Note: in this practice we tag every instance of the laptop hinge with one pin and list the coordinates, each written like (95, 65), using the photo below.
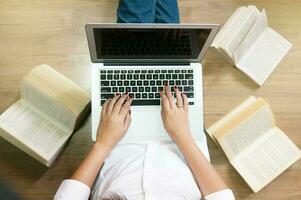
(135, 63)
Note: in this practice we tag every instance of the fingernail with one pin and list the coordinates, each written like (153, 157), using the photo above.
(166, 83)
(117, 94)
(176, 87)
(126, 93)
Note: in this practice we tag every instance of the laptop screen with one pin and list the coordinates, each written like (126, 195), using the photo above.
(147, 43)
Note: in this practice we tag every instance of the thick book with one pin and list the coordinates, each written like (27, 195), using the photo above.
(248, 43)
(51, 108)
(254, 145)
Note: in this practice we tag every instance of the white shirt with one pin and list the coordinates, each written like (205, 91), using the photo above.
(149, 171)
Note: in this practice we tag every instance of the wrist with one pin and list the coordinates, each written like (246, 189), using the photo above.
(102, 146)
(184, 140)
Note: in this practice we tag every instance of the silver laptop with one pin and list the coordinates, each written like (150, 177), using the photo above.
(139, 59)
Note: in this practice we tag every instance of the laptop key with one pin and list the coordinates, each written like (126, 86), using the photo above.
(154, 89)
(119, 83)
(148, 102)
(141, 89)
(121, 89)
(105, 89)
(133, 83)
(126, 83)
(157, 96)
(136, 76)
(139, 83)
(188, 76)
(115, 89)
(137, 95)
(190, 82)
(147, 89)
(127, 89)
(189, 95)
(134, 89)
(146, 83)
(106, 96)
(104, 83)
(129, 76)
(150, 95)
(144, 95)
(152, 83)
(188, 89)
(103, 77)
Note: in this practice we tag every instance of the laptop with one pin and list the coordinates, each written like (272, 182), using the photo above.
(139, 59)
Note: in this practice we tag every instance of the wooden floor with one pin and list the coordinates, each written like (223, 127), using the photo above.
(52, 31)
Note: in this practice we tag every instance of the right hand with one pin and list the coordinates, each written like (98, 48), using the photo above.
(175, 116)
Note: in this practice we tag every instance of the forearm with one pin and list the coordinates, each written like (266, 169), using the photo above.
(209, 181)
(89, 168)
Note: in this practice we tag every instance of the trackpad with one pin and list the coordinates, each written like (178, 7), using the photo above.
(146, 125)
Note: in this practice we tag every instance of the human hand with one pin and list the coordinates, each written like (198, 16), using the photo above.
(115, 120)
(175, 116)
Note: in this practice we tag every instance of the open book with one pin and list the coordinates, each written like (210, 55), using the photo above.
(248, 43)
(50, 109)
(253, 143)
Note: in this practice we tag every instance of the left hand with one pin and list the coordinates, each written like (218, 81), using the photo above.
(115, 120)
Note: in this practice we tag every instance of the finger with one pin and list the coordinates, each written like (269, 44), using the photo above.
(126, 107)
(185, 101)
(178, 96)
(104, 107)
(164, 101)
(127, 120)
(111, 103)
(169, 96)
(119, 103)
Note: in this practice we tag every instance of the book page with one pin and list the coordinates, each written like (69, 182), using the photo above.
(54, 111)
(239, 32)
(228, 26)
(257, 29)
(264, 56)
(225, 119)
(264, 160)
(34, 130)
(248, 131)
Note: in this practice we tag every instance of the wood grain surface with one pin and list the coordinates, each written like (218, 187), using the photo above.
(33, 32)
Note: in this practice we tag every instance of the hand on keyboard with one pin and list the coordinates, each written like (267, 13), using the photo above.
(175, 115)
(115, 120)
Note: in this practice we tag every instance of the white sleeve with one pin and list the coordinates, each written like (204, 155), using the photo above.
(72, 189)
(226, 194)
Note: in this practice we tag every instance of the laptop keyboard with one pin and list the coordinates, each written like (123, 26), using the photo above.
(144, 85)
